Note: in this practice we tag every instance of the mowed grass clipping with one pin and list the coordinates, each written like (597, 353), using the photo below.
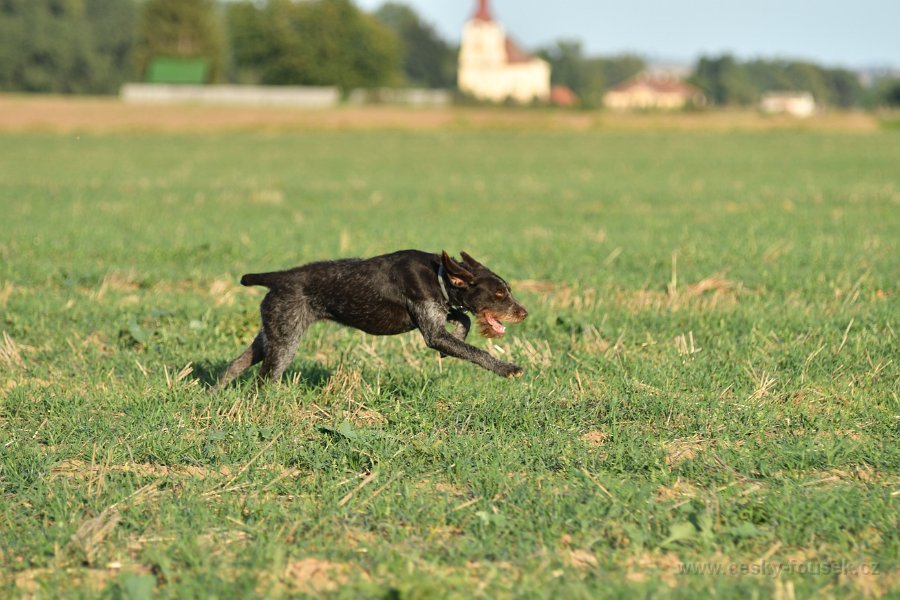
(710, 404)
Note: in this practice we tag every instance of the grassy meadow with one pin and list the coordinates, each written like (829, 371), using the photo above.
(710, 405)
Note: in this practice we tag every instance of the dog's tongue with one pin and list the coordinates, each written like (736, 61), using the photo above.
(496, 325)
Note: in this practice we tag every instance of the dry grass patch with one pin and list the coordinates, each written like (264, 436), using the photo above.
(81, 470)
(359, 538)
(591, 341)
(683, 449)
(595, 438)
(6, 292)
(869, 584)
(95, 580)
(67, 114)
(317, 577)
(685, 344)
(92, 532)
(11, 352)
(664, 565)
(859, 473)
(116, 281)
(713, 292)
(267, 197)
(536, 354)
(537, 286)
(677, 492)
(95, 340)
(715, 284)
(444, 488)
(215, 287)
(214, 541)
(343, 392)
(764, 383)
(223, 290)
(559, 295)
(582, 560)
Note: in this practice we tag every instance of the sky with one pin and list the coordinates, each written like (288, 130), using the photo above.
(848, 33)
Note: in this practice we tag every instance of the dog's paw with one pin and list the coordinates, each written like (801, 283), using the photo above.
(510, 371)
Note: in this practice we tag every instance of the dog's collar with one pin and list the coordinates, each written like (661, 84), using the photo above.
(441, 273)
(441, 276)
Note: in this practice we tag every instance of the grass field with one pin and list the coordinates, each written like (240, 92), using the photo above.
(710, 405)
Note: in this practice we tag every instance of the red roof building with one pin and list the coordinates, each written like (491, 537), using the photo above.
(648, 91)
(561, 95)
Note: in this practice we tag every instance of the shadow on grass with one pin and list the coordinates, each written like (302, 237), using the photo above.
(305, 375)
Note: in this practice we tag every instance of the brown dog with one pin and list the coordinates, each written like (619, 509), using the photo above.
(385, 295)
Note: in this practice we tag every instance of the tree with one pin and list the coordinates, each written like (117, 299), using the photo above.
(181, 29)
(844, 86)
(615, 69)
(888, 92)
(567, 64)
(427, 59)
(724, 81)
(729, 82)
(65, 46)
(248, 41)
(317, 42)
(112, 24)
(588, 77)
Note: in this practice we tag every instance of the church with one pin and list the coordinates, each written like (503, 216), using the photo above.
(493, 68)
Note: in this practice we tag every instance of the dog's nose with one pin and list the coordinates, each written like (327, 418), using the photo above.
(522, 312)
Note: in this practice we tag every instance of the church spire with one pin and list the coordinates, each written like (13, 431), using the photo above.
(483, 12)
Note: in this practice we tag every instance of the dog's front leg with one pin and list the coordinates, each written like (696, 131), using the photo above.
(461, 325)
(432, 322)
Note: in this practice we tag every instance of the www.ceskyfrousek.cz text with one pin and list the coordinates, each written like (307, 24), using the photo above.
(842, 567)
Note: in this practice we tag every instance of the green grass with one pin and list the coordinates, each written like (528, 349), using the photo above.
(711, 352)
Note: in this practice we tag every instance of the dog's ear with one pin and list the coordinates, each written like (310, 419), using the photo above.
(471, 262)
(456, 273)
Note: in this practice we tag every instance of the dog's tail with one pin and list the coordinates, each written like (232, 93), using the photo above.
(265, 279)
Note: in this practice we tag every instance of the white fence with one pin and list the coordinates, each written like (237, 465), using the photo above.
(405, 96)
(241, 95)
(286, 96)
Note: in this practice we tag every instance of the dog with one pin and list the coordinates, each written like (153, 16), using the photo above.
(385, 295)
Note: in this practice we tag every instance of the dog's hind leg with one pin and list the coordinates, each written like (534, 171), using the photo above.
(252, 355)
(283, 324)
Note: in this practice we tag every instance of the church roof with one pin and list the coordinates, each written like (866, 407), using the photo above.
(514, 54)
(483, 11)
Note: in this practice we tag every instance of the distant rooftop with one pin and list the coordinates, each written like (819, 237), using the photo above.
(664, 84)
(483, 12)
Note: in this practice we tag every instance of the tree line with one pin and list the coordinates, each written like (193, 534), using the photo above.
(729, 82)
(93, 46)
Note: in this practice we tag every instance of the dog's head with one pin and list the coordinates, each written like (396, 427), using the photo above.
(484, 293)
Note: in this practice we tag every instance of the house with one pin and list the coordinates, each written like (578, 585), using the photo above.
(646, 91)
(561, 95)
(796, 104)
(492, 67)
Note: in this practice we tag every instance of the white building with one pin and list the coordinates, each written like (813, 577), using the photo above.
(796, 104)
(656, 92)
(492, 67)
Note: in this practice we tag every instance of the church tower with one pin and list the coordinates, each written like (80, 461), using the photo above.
(492, 67)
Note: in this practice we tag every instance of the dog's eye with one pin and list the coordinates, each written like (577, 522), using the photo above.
(500, 293)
